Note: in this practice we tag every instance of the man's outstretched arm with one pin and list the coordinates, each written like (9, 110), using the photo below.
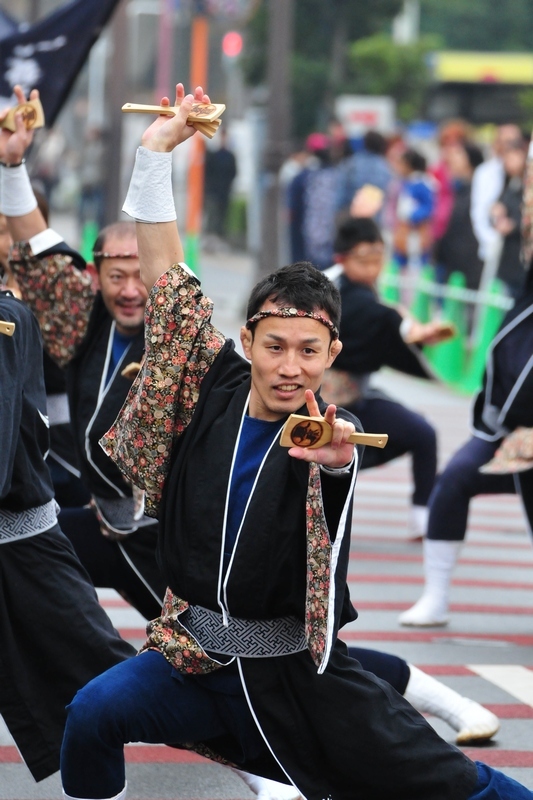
(47, 271)
(150, 200)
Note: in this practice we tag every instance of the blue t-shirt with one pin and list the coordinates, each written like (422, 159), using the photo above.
(256, 437)
(118, 348)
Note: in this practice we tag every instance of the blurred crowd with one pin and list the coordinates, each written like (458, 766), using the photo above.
(455, 206)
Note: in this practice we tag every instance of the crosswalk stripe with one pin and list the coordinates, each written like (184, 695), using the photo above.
(513, 679)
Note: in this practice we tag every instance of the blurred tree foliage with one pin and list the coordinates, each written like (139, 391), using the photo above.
(342, 46)
(379, 66)
(480, 24)
(322, 33)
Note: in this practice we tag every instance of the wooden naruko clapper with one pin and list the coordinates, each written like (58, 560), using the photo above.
(313, 432)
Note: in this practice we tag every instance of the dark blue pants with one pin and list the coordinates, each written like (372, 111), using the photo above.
(408, 432)
(145, 699)
(462, 480)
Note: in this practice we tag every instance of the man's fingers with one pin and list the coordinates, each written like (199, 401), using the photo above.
(311, 403)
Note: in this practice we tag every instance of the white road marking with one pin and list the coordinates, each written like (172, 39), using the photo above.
(515, 680)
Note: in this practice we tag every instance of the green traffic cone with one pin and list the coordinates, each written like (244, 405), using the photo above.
(389, 283)
(489, 323)
(89, 234)
(448, 358)
(422, 299)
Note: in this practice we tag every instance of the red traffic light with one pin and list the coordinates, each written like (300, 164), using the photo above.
(232, 44)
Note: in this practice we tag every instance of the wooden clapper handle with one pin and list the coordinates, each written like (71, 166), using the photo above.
(204, 116)
(313, 432)
(7, 328)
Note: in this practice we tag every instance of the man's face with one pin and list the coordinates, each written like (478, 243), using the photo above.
(120, 282)
(364, 262)
(288, 356)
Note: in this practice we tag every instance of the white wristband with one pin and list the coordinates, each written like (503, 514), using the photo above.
(405, 327)
(338, 470)
(16, 194)
(149, 197)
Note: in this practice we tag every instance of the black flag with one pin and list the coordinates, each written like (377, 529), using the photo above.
(49, 55)
(8, 26)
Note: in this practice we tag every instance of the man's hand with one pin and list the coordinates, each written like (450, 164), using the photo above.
(166, 133)
(13, 145)
(337, 453)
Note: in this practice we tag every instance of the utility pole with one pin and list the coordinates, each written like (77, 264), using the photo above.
(116, 88)
(34, 10)
(195, 178)
(278, 144)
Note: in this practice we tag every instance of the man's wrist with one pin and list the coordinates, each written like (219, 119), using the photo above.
(9, 165)
(149, 197)
(345, 470)
(16, 195)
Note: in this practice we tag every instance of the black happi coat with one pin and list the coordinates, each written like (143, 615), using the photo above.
(336, 731)
(506, 397)
(266, 578)
(24, 478)
(94, 406)
(370, 335)
(328, 732)
(54, 635)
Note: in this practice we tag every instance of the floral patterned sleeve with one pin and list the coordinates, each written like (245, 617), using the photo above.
(60, 295)
(527, 211)
(181, 346)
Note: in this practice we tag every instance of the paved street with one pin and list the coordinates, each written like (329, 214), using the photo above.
(486, 652)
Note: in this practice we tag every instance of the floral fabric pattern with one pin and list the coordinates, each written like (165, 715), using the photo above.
(515, 454)
(318, 569)
(167, 635)
(181, 346)
(60, 295)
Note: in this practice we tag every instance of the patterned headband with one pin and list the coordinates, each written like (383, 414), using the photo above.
(103, 254)
(287, 313)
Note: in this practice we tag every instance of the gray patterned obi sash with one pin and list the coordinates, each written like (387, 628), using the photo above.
(23, 524)
(244, 638)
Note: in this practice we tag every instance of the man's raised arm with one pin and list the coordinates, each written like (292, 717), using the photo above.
(150, 201)
(17, 200)
(49, 273)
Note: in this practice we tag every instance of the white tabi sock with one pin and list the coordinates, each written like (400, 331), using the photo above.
(432, 608)
(471, 721)
(266, 789)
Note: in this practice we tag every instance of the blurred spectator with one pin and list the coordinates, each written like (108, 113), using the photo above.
(293, 165)
(457, 249)
(316, 146)
(313, 201)
(396, 147)
(220, 172)
(451, 133)
(92, 176)
(47, 166)
(414, 211)
(297, 161)
(487, 185)
(506, 216)
(366, 167)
